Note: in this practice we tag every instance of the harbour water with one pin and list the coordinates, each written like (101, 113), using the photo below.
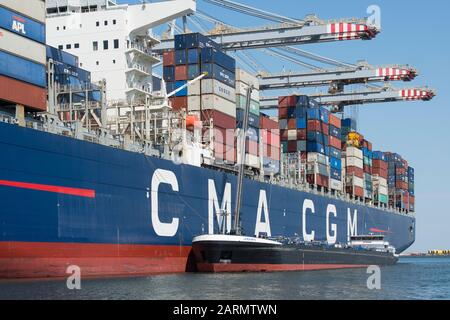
(412, 278)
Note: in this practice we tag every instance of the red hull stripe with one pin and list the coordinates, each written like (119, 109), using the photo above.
(50, 260)
(235, 267)
(48, 188)
(379, 230)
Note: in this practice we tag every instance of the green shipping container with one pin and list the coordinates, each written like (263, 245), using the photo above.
(254, 105)
(381, 198)
(284, 146)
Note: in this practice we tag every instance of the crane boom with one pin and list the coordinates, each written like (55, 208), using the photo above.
(283, 35)
(361, 97)
(343, 76)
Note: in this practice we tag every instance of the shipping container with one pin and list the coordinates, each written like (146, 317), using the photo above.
(198, 40)
(354, 181)
(181, 73)
(334, 142)
(179, 103)
(349, 123)
(193, 71)
(315, 136)
(183, 92)
(22, 69)
(267, 123)
(214, 56)
(61, 56)
(194, 89)
(335, 163)
(253, 120)
(193, 56)
(335, 184)
(336, 153)
(314, 157)
(21, 25)
(317, 125)
(219, 73)
(354, 162)
(219, 119)
(318, 179)
(241, 88)
(169, 58)
(335, 132)
(241, 103)
(317, 147)
(354, 171)
(354, 152)
(169, 74)
(301, 134)
(211, 86)
(335, 174)
(34, 9)
(335, 121)
(180, 57)
(214, 102)
(13, 91)
(247, 78)
(321, 114)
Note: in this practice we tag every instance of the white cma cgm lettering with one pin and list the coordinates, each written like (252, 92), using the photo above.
(214, 207)
(307, 205)
(18, 27)
(262, 205)
(331, 238)
(163, 229)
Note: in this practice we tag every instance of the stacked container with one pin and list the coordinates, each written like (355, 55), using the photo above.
(252, 145)
(398, 181)
(353, 164)
(270, 145)
(23, 53)
(412, 197)
(335, 150)
(367, 168)
(379, 178)
(214, 97)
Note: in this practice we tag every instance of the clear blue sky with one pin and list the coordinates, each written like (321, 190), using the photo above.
(411, 34)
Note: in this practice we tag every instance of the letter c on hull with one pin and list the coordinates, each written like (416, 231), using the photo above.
(161, 228)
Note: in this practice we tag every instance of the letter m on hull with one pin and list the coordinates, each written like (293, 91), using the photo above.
(352, 223)
(215, 209)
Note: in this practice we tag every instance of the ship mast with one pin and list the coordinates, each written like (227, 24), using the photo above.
(241, 142)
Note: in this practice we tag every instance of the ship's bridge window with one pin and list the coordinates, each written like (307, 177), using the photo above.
(97, 24)
(68, 46)
(105, 44)
(114, 21)
(95, 45)
(76, 45)
(106, 22)
(116, 43)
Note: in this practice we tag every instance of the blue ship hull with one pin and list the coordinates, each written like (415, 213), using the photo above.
(114, 212)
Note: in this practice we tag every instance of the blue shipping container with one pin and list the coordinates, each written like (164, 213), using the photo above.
(219, 73)
(61, 56)
(301, 123)
(180, 41)
(193, 71)
(197, 40)
(335, 163)
(335, 132)
(22, 69)
(181, 93)
(170, 86)
(316, 136)
(335, 174)
(378, 155)
(321, 114)
(316, 147)
(253, 120)
(22, 25)
(193, 56)
(335, 153)
(301, 112)
(211, 55)
(349, 123)
(180, 57)
(169, 73)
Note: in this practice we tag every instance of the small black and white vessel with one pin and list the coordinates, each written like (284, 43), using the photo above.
(235, 252)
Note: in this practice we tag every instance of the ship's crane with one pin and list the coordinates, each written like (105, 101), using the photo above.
(373, 95)
(337, 77)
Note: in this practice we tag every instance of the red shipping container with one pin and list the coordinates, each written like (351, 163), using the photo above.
(316, 125)
(401, 185)
(318, 179)
(267, 123)
(168, 58)
(289, 101)
(357, 172)
(301, 134)
(335, 121)
(221, 135)
(179, 103)
(274, 138)
(367, 169)
(271, 152)
(292, 124)
(400, 171)
(292, 146)
(19, 92)
(181, 73)
(220, 119)
(380, 164)
(282, 113)
(412, 199)
(335, 142)
(356, 191)
(381, 172)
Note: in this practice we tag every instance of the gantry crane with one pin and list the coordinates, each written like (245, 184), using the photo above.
(372, 95)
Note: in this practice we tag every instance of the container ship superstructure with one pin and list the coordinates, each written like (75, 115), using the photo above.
(110, 167)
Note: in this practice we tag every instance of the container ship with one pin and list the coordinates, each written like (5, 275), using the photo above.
(110, 167)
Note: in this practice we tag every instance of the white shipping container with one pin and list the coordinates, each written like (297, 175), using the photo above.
(354, 152)
(354, 162)
(247, 78)
(252, 161)
(382, 189)
(377, 180)
(194, 89)
(355, 181)
(292, 135)
(317, 157)
(23, 47)
(193, 103)
(335, 184)
(215, 102)
(211, 86)
(241, 88)
(34, 9)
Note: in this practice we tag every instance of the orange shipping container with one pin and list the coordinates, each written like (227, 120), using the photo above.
(335, 121)
(180, 73)
(17, 92)
(169, 58)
